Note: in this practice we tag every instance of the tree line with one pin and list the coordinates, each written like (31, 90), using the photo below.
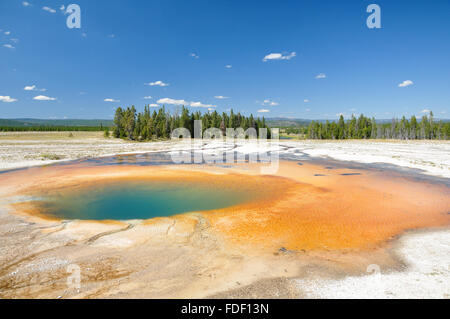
(147, 125)
(366, 128)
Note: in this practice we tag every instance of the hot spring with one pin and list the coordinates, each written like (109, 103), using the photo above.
(305, 206)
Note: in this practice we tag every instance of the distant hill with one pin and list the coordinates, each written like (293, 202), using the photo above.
(44, 122)
(286, 122)
(28, 122)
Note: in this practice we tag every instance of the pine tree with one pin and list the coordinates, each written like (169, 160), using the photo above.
(341, 128)
(118, 122)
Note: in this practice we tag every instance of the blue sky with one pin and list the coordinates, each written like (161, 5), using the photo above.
(322, 60)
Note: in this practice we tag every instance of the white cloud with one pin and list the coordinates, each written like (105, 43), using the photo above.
(321, 76)
(14, 40)
(26, 3)
(195, 56)
(183, 102)
(154, 105)
(7, 32)
(44, 98)
(172, 101)
(228, 66)
(425, 111)
(49, 9)
(147, 97)
(7, 99)
(62, 8)
(263, 111)
(405, 83)
(9, 46)
(158, 83)
(221, 97)
(306, 100)
(200, 104)
(112, 36)
(308, 110)
(211, 109)
(33, 88)
(111, 100)
(279, 56)
(269, 102)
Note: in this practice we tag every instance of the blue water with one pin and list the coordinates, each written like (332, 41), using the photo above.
(139, 200)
